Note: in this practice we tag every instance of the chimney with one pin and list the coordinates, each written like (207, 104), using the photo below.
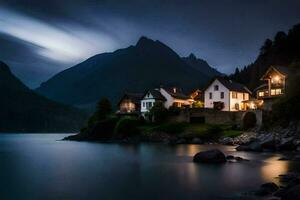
(174, 90)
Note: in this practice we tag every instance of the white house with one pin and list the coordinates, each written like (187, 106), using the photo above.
(149, 99)
(169, 97)
(175, 97)
(225, 95)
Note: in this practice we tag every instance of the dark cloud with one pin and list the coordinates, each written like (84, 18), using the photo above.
(226, 33)
(24, 61)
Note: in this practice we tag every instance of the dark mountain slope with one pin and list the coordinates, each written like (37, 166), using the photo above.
(284, 50)
(22, 110)
(146, 65)
(201, 65)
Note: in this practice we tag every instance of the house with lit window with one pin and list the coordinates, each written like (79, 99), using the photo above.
(149, 99)
(226, 95)
(275, 85)
(130, 104)
(175, 97)
(198, 97)
(168, 96)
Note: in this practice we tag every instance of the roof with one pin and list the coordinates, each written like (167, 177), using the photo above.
(134, 97)
(261, 87)
(197, 95)
(178, 94)
(156, 94)
(285, 71)
(230, 85)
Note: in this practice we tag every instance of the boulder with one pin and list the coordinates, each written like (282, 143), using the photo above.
(292, 193)
(266, 189)
(196, 141)
(230, 157)
(227, 141)
(287, 144)
(269, 142)
(211, 156)
(253, 146)
(240, 159)
(181, 141)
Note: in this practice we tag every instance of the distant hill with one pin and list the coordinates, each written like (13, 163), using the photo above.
(22, 110)
(146, 65)
(201, 65)
(283, 50)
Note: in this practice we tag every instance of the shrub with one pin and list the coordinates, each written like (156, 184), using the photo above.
(174, 110)
(127, 126)
(171, 128)
(213, 132)
(198, 104)
(159, 112)
(105, 128)
(103, 109)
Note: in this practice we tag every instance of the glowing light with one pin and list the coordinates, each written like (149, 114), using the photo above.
(276, 79)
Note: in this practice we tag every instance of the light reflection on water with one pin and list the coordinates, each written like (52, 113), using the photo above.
(40, 167)
(273, 167)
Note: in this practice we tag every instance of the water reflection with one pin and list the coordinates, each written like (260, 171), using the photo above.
(40, 167)
(273, 167)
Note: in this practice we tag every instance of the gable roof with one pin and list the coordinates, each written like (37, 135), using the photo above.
(156, 94)
(134, 97)
(230, 85)
(285, 71)
(178, 94)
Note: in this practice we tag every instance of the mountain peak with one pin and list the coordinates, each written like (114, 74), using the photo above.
(192, 56)
(144, 41)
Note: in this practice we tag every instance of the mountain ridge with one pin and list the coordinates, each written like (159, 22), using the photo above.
(145, 65)
(22, 110)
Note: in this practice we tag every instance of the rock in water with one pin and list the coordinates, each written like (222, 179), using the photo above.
(211, 156)
(267, 188)
(292, 194)
(287, 144)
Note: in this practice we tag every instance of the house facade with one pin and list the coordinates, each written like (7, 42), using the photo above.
(175, 97)
(168, 96)
(274, 87)
(225, 95)
(130, 103)
(149, 98)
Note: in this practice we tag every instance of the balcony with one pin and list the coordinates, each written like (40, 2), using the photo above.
(273, 93)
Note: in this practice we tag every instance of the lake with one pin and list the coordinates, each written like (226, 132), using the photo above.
(40, 166)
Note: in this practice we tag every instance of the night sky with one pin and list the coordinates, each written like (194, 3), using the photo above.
(39, 38)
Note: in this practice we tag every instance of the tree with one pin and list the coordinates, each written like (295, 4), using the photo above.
(266, 47)
(159, 112)
(237, 72)
(103, 109)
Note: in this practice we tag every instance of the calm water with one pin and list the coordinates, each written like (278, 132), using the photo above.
(36, 166)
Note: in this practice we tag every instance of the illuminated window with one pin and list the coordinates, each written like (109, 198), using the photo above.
(261, 94)
(222, 95)
(234, 95)
(245, 96)
(276, 91)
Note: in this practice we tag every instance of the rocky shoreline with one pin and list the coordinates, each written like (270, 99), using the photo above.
(288, 188)
(276, 139)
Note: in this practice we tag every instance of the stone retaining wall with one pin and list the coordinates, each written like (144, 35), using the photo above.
(212, 116)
